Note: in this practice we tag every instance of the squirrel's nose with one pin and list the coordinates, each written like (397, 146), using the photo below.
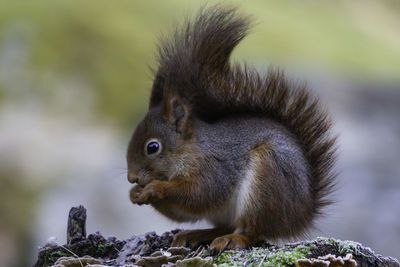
(132, 178)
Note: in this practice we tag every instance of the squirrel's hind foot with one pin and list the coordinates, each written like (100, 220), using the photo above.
(231, 241)
(194, 238)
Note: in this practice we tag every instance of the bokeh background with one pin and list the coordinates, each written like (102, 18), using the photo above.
(74, 81)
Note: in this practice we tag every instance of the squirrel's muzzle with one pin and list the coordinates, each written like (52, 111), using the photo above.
(133, 178)
(141, 177)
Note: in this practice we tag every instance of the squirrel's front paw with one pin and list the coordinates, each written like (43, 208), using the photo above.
(135, 192)
(151, 193)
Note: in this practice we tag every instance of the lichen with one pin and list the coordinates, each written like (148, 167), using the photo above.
(343, 247)
(196, 261)
(328, 260)
(158, 258)
(76, 262)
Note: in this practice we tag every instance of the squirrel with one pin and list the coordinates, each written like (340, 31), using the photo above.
(250, 153)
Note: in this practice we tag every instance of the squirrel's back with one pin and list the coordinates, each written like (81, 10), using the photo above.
(195, 65)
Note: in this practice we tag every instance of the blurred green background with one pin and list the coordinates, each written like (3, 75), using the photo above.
(74, 81)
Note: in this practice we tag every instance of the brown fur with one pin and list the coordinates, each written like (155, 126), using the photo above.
(250, 153)
(231, 241)
(197, 237)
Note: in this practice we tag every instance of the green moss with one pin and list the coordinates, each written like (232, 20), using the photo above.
(284, 258)
(103, 247)
(229, 258)
(51, 257)
(46, 257)
(263, 257)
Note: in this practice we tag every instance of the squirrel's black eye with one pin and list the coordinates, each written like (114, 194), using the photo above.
(153, 147)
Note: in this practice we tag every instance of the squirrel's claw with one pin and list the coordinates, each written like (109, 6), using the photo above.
(148, 194)
(231, 241)
(134, 194)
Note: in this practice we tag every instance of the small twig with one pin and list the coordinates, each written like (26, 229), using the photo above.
(116, 249)
(220, 252)
(263, 259)
(194, 253)
(73, 254)
(199, 251)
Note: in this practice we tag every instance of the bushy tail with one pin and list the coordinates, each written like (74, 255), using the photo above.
(195, 65)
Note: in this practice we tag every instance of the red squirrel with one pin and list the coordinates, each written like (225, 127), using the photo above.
(250, 153)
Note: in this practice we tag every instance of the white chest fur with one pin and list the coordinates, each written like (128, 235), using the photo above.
(235, 206)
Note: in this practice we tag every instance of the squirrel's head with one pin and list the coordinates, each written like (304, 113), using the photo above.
(161, 143)
(191, 62)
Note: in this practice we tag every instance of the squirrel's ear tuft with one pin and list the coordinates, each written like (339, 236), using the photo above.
(205, 42)
(177, 113)
(157, 92)
(197, 55)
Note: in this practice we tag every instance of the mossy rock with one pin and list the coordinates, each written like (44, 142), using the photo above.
(153, 250)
